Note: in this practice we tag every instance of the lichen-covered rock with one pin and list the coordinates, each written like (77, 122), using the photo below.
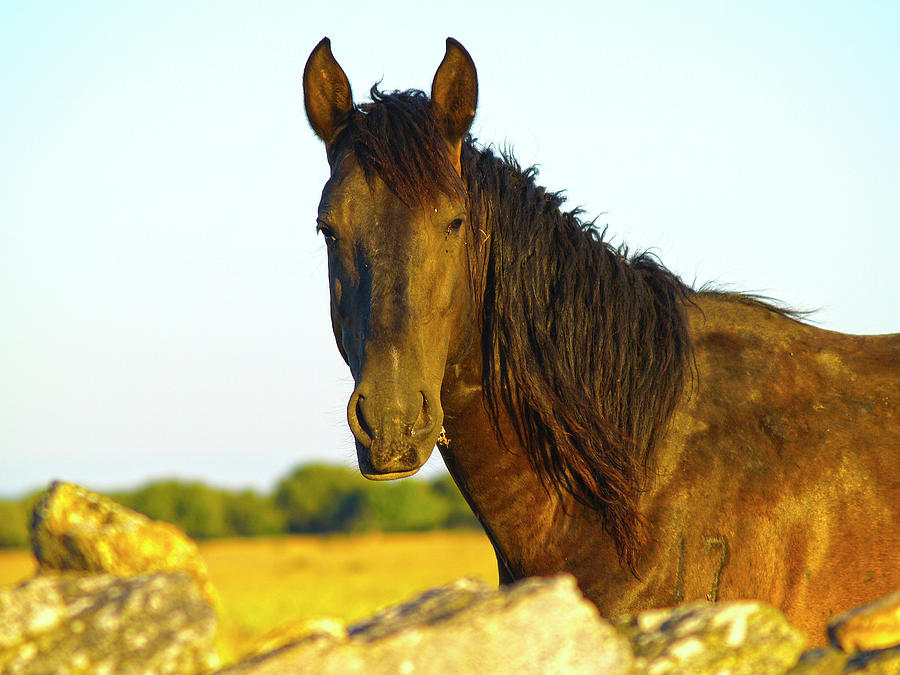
(879, 662)
(873, 626)
(536, 626)
(822, 661)
(152, 610)
(68, 623)
(733, 637)
(75, 529)
(296, 631)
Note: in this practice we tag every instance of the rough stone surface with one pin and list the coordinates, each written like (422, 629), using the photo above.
(873, 626)
(733, 637)
(296, 631)
(536, 626)
(75, 529)
(822, 661)
(880, 662)
(69, 623)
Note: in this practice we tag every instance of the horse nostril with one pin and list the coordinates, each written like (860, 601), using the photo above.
(357, 421)
(425, 420)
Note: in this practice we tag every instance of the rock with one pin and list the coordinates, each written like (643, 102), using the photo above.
(296, 631)
(68, 623)
(881, 662)
(733, 637)
(142, 602)
(873, 626)
(75, 529)
(535, 626)
(822, 661)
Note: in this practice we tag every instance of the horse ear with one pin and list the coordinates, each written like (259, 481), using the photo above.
(326, 93)
(454, 96)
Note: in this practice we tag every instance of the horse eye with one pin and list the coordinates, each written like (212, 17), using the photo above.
(454, 225)
(326, 232)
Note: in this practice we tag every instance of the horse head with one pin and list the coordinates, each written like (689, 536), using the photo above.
(393, 214)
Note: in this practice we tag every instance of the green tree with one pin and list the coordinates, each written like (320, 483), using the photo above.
(407, 505)
(196, 508)
(313, 498)
(321, 498)
(14, 517)
(459, 515)
(324, 498)
(249, 514)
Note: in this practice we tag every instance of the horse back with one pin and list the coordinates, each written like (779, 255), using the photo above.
(778, 478)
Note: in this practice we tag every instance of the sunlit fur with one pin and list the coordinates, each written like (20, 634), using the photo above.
(660, 444)
(586, 349)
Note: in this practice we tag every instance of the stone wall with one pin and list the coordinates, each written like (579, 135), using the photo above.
(118, 593)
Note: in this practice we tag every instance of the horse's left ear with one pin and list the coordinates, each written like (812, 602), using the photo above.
(454, 96)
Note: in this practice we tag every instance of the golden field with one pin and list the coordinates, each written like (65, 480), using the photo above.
(264, 583)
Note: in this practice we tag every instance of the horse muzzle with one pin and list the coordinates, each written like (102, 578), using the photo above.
(395, 432)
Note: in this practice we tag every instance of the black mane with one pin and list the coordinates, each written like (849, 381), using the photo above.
(586, 348)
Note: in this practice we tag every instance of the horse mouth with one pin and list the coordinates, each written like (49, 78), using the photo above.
(390, 475)
(381, 469)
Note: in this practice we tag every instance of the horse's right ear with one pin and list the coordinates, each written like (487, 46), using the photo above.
(326, 93)
(454, 96)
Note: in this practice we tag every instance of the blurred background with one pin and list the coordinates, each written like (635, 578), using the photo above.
(163, 294)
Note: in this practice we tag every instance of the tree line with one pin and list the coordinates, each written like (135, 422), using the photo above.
(312, 499)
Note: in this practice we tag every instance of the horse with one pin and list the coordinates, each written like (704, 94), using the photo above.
(601, 417)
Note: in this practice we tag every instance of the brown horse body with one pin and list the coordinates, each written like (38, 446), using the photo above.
(777, 479)
(660, 444)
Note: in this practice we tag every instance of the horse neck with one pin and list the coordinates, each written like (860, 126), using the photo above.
(498, 482)
(582, 347)
(532, 528)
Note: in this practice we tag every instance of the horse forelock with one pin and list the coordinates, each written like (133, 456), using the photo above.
(585, 348)
(395, 137)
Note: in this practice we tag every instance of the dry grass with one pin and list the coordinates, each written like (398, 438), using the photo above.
(15, 566)
(265, 583)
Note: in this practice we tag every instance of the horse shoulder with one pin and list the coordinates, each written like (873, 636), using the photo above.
(775, 479)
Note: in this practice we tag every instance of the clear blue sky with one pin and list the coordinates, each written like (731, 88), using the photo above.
(163, 294)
